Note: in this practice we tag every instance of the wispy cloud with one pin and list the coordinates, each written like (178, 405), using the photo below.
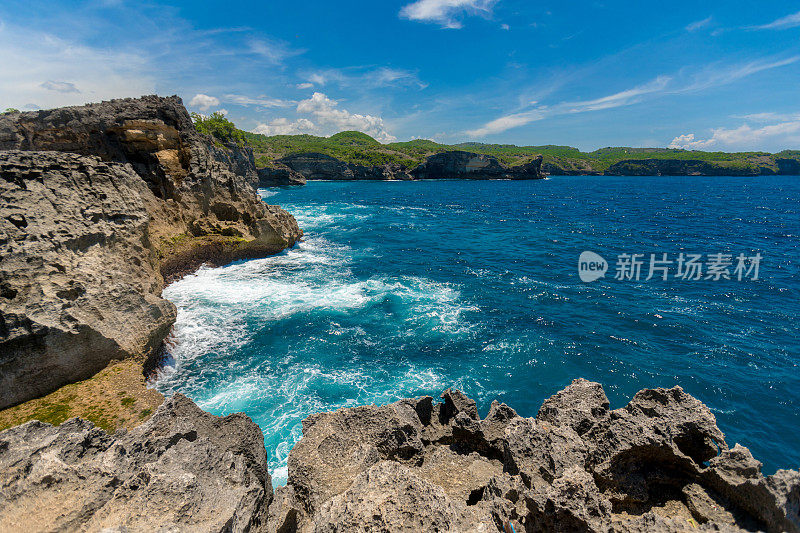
(275, 52)
(446, 13)
(783, 23)
(711, 76)
(365, 77)
(622, 98)
(717, 74)
(699, 24)
(40, 60)
(262, 101)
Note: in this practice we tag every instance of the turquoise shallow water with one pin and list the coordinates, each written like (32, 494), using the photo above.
(404, 289)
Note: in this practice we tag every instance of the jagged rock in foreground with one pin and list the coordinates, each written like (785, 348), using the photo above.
(99, 204)
(658, 464)
(182, 470)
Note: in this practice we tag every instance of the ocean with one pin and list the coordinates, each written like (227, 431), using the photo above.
(404, 289)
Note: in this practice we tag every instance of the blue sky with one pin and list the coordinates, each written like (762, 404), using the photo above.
(704, 75)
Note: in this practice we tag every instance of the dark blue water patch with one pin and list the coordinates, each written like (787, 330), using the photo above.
(403, 289)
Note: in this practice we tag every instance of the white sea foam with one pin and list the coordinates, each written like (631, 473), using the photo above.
(221, 312)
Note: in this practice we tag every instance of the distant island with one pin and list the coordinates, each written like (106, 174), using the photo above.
(291, 159)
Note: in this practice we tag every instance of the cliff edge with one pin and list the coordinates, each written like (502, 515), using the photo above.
(659, 463)
(99, 205)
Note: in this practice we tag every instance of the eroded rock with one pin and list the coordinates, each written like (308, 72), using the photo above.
(658, 464)
(182, 470)
(98, 205)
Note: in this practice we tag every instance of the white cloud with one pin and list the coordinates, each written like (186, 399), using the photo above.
(783, 23)
(327, 113)
(507, 122)
(260, 101)
(699, 24)
(283, 126)
(772, 137)
(302, 86)
(60, 86)
(446, 12)
(204, 102)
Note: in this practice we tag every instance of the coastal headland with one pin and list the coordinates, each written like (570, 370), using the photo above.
(102, 205)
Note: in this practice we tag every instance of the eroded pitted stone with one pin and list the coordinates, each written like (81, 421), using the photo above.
(650, 466)
(582, 404)
(182, 470)
(93, 201)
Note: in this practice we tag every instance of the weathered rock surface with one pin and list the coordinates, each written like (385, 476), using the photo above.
(676, 167)
(182, 470)
(459, 164)
(658, 464)
(79, 283)
(279, 175)
(94, 201)
(314, 166)
(445, 165)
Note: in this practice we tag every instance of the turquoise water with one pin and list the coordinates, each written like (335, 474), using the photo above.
(404, 289)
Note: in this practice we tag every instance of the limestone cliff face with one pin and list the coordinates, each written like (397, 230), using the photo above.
(674, 167)
(98, 204)
(445, 165)
(458, 164)
(315, 166)
(201, 188)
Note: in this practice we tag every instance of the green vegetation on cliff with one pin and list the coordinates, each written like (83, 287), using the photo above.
(218, 127)
(361, 149)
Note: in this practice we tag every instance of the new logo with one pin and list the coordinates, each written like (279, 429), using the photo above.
(591, 266)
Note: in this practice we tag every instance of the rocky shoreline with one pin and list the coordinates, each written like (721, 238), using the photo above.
(658, 464)
(99, 205)
(296, 169)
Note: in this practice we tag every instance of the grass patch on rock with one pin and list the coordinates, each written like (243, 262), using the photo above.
(116, 397)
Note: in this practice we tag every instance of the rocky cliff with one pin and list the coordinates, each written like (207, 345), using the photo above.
(99, 204)
(315, 166)
(182, 470)
(675, 167)
(445, 165)
(658, 464)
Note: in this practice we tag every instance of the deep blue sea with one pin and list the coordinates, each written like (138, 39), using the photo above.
(404, 289)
